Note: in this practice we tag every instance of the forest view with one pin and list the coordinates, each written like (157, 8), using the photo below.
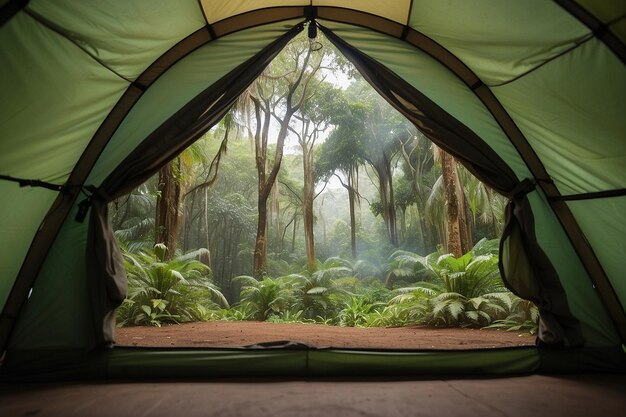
(314, 201)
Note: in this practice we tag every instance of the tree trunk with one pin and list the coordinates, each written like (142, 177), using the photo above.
(263, 110)
(391, 205)
(307, 202)
(207, 241)
(167, 207)
(403, 225)
(453, 241)
(260, 249)
(386, 201)
(464, 219)
(187, 223)
(276, 216)
(293, 235)
(351, 198)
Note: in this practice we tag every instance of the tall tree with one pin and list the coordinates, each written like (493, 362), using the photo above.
(277, 95)
(313, 119)
(340, 157)
(448, 193)
(453, 209)
(421, 172)
(379, 129)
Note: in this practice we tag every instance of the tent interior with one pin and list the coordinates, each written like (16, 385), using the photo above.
(529, 96)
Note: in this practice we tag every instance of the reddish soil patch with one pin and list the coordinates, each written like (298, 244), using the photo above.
(243, 333)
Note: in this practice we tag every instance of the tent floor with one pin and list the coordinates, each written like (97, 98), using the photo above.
(534, 395)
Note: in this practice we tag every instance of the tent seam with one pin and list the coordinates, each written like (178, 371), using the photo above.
(203, 12)
(547, 61)
(54, 28)
(408, 15)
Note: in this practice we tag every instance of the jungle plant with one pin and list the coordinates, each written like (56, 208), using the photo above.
(356, 311)
(465, 291)
(523, 316)
(161, 292)
(263, 298)
(321, 293)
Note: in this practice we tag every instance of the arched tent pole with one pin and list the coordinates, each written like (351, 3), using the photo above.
(60, 209)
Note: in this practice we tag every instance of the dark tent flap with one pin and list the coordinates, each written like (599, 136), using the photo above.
(106, 274)
(527, 271)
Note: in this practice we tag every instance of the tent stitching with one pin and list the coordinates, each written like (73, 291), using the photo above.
(202, 11)
(547, 61)
(409, 13)
(56, 29)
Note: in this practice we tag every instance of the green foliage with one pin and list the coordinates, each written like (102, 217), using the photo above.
(522, 316)
(264, 298)
(323, 296)
(167, 292)
(321, 293)
(465, 291)
(356, 312)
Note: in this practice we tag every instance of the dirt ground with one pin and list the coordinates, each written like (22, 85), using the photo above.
(244, 333)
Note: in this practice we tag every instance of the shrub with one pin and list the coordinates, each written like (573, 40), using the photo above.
(167, 292)
(464, 291)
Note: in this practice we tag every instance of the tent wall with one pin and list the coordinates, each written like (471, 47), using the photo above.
(18, 223)
(123, 36)
(54, 98)
(583, 300)
(570, 110)
(602, 221)
(60, 295)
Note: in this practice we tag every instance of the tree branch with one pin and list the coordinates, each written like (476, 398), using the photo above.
(291, 190)
(350, 188)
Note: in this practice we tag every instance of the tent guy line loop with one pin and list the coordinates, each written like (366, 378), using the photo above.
(591, 195)
(26, 182)
(89, 191)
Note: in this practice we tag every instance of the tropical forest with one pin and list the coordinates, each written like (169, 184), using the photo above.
(315, 202)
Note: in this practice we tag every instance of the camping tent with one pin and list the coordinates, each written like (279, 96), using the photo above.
(96, 96)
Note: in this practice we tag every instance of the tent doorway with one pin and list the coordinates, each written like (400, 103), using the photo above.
(359, 227)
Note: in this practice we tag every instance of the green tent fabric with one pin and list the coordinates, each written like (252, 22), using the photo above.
(523, 93)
